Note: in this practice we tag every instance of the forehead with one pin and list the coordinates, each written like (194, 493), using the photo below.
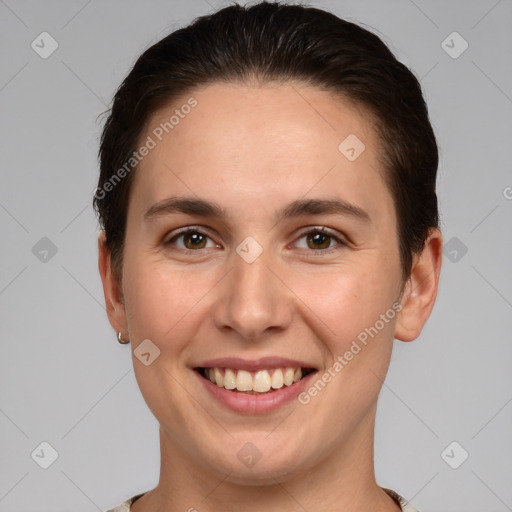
(262, 143)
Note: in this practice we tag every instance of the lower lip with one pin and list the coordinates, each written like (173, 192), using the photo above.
(255, 403)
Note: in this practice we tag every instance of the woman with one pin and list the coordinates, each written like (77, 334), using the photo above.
(270, 225)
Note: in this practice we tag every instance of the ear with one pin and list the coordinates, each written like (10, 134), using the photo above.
(112, 290)
(421, 289)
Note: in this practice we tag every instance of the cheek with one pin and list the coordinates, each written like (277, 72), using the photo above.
(345, 301)
(161, 299)
(354, 318)
(337, 302)
(163, 305)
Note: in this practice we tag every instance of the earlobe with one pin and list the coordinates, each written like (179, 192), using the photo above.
(420, 292)
(112, 291)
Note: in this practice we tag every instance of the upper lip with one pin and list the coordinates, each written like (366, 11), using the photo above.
(263, 363)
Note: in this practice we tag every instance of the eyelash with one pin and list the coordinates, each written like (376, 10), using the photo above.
(341, 241)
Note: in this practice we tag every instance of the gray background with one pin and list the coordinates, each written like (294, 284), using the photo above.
(65, 380)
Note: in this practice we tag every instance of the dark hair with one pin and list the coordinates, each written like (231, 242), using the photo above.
(276, 42)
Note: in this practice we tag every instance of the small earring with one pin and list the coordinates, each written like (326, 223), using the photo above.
(123, 342)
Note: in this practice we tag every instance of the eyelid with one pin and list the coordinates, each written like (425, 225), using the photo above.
(342, 240)
(183, 231)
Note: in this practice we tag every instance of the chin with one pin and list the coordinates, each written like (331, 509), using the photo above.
(259, 462)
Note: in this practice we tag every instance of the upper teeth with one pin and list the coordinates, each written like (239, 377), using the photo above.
(260, 381)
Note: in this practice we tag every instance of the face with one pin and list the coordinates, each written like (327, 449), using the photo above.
(290, 261)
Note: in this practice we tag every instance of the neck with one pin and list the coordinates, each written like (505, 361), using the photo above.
(344, 481)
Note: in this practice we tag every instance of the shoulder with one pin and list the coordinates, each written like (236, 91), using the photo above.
(406, 506)
(126, 505)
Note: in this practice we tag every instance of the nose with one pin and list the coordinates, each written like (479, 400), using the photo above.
(253, 299)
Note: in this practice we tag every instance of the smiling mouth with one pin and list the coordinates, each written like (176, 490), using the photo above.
(256, 382)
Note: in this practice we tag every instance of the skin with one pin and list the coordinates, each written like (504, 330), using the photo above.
(253, 149)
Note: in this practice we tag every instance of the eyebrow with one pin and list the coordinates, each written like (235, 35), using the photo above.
(298, 208)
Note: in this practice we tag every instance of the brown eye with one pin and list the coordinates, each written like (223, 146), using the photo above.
(321, 241)
(192, 239)
(318, 240)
